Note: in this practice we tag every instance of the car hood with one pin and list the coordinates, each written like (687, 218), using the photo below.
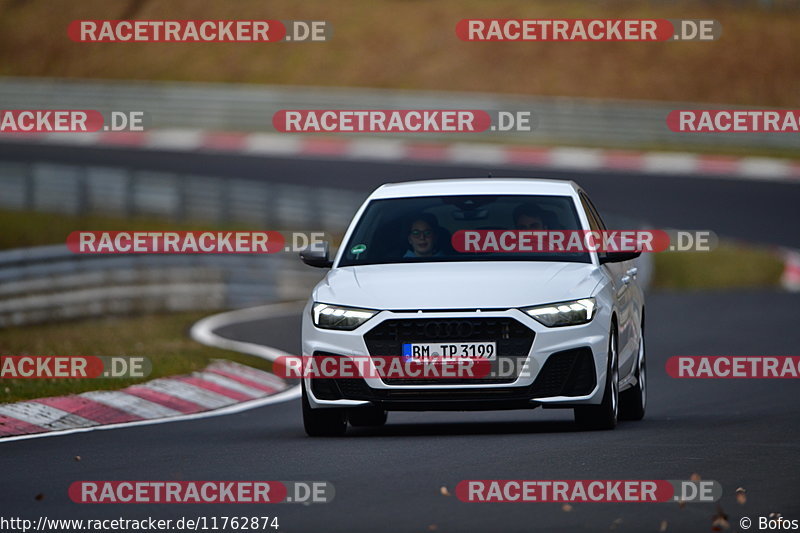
(465, 285)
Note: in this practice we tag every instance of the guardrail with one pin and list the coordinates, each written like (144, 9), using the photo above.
(49, 283)
(121, 191)
(576, 121)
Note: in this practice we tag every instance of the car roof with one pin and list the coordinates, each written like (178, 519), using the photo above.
(462, 186)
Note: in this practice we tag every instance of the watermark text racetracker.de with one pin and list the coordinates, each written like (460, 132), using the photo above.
(401, 121)
(396, 367)
(193, 242)
(734, 121)
(588, 30)
(195, 492)
(587, 490)
(70, 121)
(199, 31)
(733, 367)
(575, 241)
(73, 367)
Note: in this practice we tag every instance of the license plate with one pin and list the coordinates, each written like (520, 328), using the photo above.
(423, 351)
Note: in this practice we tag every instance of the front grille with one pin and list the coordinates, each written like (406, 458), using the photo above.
(513, 339)
(386, 338)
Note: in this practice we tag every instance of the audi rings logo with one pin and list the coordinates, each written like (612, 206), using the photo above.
(448, 330)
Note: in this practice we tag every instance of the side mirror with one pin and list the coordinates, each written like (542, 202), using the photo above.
(317, 257)
(618, 257)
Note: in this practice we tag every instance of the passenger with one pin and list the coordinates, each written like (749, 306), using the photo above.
(529, 217)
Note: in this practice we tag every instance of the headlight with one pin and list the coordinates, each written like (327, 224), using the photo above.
(564, 313)
(336, 317)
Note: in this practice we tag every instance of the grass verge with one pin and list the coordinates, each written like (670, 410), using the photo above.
(19, 229)
(412, 44)
(162, 338)
(729, 266)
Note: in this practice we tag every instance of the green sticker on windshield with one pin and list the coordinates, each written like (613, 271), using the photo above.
(358, 249)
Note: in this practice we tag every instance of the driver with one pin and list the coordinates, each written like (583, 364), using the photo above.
(423, 235)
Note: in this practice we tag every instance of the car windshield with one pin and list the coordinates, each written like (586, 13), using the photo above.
(400, 230)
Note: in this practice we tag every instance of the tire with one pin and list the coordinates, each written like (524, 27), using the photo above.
(605, 415)
(322, 422)
(367, 417)
(632, 402)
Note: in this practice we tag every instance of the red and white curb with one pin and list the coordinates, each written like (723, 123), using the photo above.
(464, 153)
(223, 387)
(221, 384)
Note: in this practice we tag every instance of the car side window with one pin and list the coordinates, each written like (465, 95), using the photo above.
(593, 210)
(594, 223)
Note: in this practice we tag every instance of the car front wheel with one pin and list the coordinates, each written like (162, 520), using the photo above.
(322, 422)
(633, 401)
(604, 416)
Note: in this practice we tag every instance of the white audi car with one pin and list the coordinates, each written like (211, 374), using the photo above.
(569, 325)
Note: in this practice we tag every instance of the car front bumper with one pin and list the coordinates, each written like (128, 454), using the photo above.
(561, 367)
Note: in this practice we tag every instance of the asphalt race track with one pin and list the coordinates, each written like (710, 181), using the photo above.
(742, 433)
